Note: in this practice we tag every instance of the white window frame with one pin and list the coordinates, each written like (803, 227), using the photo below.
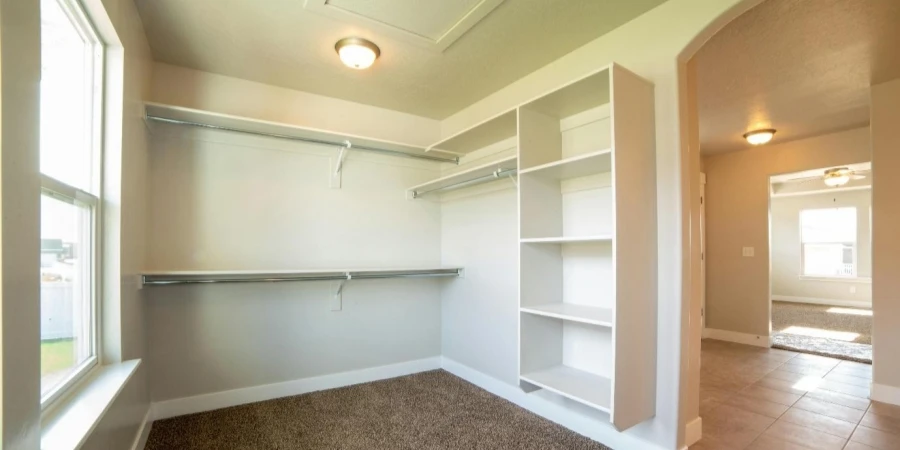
(854, 245)
(69, 194)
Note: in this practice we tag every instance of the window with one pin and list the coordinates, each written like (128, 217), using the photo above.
(828, 240)
(71, 90)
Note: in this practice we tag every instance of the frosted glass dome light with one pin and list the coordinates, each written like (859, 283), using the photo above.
(357, 53)
(837, 177)
(760, 137)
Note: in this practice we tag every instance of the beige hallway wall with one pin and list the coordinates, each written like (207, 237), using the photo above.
(885, 241)
(737, 214)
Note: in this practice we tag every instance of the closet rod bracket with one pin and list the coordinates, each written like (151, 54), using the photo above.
(339, 165)
(337, 302)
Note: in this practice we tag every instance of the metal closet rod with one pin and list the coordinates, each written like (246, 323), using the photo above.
(303, 139)
(163, 279)
(496, 175)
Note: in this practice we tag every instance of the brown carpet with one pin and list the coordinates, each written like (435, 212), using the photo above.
(430, 410)
(822, 317)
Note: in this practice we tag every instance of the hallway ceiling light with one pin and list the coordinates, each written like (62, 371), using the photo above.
(357, 53)
(760, 137)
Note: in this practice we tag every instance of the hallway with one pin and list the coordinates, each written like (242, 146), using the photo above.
(767, 399)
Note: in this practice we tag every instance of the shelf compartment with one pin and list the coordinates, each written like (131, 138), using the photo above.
(505, 164)
(495, 129)
(576, 313)
(577, 166)
(568, 239)
(578, 96)
(578, 385)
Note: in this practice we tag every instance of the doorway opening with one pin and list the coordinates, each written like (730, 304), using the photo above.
(820, 261)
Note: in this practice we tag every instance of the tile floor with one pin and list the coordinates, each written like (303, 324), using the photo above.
(766, 399)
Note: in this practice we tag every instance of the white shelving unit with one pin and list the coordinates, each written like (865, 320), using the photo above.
(587, 228)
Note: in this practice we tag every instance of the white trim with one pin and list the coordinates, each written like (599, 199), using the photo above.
(823, 301)
(693, 431)
(555, 411)
(71, 425)
(140, 439)
(886, 394)
(224, 399)
(859, 280)
(740, 338)
(820, 191)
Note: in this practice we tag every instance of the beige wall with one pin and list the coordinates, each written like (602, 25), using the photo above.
(786, 258)
(179, 86)
(886, 240)
(737, 215)
(19, 225)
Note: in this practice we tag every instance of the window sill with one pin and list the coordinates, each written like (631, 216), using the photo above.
(838, 279)
(70, 424)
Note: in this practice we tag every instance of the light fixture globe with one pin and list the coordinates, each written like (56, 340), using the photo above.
(357, 53)
(837, 177)
(760, 137)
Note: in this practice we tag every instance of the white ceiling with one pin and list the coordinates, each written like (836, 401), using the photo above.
(284, 43)
(803, 67)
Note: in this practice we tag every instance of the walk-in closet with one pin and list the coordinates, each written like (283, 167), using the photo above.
(345, 224)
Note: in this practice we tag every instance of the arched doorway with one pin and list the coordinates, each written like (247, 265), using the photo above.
(693, 141)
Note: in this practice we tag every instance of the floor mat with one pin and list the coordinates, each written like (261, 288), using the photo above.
(822, 346)
(806, 328)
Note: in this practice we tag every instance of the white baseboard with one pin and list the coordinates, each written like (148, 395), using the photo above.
(140, 440)
(224, 399)
(693, 431)
(823, 301)
(600, 431)
(885, 394)
(740, 338)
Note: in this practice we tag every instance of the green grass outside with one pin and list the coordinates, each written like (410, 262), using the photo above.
(57, 355)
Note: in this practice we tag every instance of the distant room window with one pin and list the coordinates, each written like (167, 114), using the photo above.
(828, 240)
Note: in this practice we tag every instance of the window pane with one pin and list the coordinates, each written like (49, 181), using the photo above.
(828, 260)
(67, 97)
(837, 225)
(66, 339)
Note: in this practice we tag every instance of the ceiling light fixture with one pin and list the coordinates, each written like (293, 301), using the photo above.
(357, 53)
(760, 137)
(837, 177)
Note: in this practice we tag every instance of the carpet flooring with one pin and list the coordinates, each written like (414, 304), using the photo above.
(430, 410)
(853, 325)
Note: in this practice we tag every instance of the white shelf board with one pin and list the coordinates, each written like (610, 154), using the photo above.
(583, 387)
(252, 125)
(509, 162)
(480, 135)
(567, 239)
(577, 166)
(575, 313)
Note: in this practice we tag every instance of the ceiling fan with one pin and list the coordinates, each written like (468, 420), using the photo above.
(837, 176)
